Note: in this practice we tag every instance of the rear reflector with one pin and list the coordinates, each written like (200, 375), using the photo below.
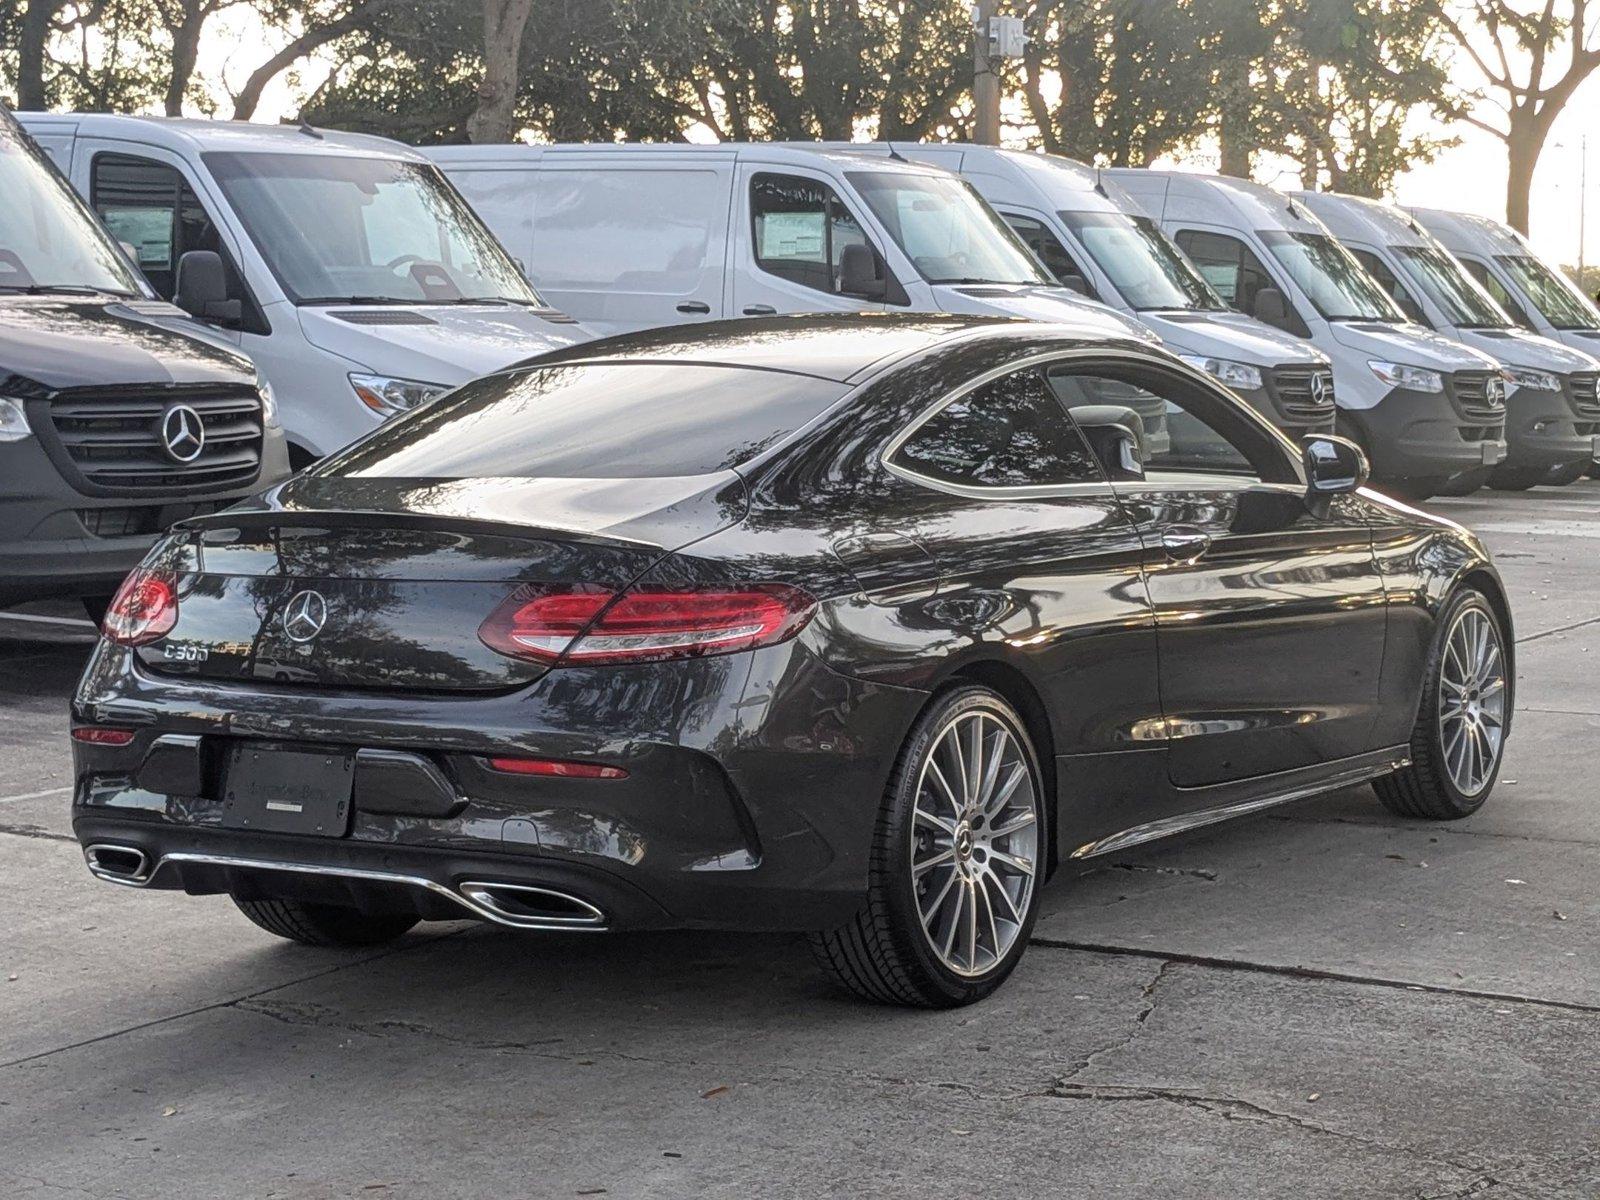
(580, 625)
(556, 767)
(144, 609)
(96, 735)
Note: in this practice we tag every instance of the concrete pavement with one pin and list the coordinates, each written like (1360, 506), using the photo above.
(1324, 1001)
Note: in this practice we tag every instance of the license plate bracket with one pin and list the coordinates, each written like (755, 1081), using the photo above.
(1492, 453)
(279, 790)
(1594, 452)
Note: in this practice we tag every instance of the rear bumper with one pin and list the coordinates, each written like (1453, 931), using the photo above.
(750, 808)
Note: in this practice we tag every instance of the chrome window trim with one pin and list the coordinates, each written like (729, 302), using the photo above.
(1040, 491)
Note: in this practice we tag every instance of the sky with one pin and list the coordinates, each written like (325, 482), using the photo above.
(1470, 177)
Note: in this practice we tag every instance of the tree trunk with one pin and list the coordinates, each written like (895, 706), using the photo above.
(32, 41)
(244, 104)
(1524, 141)
(185, 53)
(503, 23)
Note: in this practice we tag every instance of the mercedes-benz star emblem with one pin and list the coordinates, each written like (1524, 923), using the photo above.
(304, 616)
(1321, 385)
(1495, 391)
(183, 433)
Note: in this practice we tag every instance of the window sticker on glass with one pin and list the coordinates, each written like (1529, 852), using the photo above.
(147, 230)
(792, 235)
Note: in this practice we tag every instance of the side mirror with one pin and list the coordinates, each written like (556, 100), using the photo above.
(1412, 309)
(859, 273)
(1271, 307)
(1116, 435)
(1335, 466)
(1074, 282)
(202, 289)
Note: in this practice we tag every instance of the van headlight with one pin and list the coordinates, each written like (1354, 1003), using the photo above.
(1416, 379)
(269, 404)
(1235, 374)
(1527, 377)
(13, 421)
(386, 395)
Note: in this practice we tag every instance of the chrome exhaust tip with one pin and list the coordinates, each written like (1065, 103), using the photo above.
(126, 865)
(528, 907)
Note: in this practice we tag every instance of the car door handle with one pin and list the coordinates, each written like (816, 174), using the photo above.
(760, 310)
(694, 306)
(1184, 544)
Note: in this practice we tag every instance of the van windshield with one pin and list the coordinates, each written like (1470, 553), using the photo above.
(1557, 300)
(1148, 271)
(1328, 274)
(1439, 276)
(49, 241)
(946, 230)
(341, 230)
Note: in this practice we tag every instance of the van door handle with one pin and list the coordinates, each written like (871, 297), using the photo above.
(1184, 543)
(694, 306)
(760, 310)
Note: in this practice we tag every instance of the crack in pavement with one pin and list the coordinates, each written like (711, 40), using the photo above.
(1148, 996)
(36, 831)
(1544, 633)
(1192, 872)
(1454, 831)
(1303, 972)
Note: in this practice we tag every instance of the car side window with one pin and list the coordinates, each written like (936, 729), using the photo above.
(152, 208)
(1228, 265)
(1007, 433)
(801, 228)
(1493, 286)
(1047, 248)
(1182, 429)
(1387, 279)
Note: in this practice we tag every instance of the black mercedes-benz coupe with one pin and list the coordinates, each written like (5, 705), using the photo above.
(850, 625)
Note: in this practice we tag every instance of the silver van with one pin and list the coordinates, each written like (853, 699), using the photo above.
(345, 266)
(1552, 409)
(1429, 411)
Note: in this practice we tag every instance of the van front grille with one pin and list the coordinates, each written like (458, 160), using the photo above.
(118, 440)
(1304, 395)
(1583, 390)
(1479, 396)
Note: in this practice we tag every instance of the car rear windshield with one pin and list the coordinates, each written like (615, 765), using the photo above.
(593, 421)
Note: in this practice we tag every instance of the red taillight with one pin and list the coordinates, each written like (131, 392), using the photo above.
(144, 609)
(96, 735)
(647, 625)
(559, 768)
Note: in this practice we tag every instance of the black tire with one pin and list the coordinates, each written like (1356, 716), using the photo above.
(883, 954)
(1425, 790)
(1562, 476)
(325, 924)
(1517, 479)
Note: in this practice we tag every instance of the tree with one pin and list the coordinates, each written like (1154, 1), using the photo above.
(318, 26)
(503, 24)
(1516, 54)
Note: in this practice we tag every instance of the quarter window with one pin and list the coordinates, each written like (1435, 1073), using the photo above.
(1008, 433)
(1496, 289)
(1049, 251)
(801, 228)
(1389, 282)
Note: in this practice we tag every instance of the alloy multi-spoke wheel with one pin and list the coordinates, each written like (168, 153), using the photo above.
(1472, 701)
(957, 858)
(1460, 734)
(974, 842)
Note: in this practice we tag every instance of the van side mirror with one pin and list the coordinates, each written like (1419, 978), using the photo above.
(1271, 307)
(202, 289)
(1412, 309)
(1335, 466)
(859, 273)
(1074, 282)
(1116, 435)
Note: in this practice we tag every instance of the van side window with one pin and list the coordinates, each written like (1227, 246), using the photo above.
(801, 228)
(1228, 266)
(1379, 270)
(1047, 248)
(150, 206)
(1501, 297)
(1007, 433)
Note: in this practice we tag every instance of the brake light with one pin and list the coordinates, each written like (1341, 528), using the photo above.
(582, 624)
(144, 609)
(97, 735)
(559, 768)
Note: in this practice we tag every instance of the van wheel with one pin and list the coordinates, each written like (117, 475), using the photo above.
(325, 924)
(1517, 479)
(957, 862)
(1459, 737)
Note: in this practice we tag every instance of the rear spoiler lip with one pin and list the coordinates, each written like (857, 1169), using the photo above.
(375, 518)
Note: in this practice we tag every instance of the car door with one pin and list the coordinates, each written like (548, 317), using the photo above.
(791, 231)
(1270, 617)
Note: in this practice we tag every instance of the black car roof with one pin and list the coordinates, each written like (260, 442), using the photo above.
(839, 347)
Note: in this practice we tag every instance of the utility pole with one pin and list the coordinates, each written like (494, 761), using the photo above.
(1583, 195)
(985, 82)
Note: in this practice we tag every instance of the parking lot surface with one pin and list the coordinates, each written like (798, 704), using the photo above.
(1322, 1001)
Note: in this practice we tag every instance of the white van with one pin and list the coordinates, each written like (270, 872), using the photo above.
(1537, 295)
(1552, 409)
(1429, 411)
(344, 265)
(1094, 238)
(628, 237)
